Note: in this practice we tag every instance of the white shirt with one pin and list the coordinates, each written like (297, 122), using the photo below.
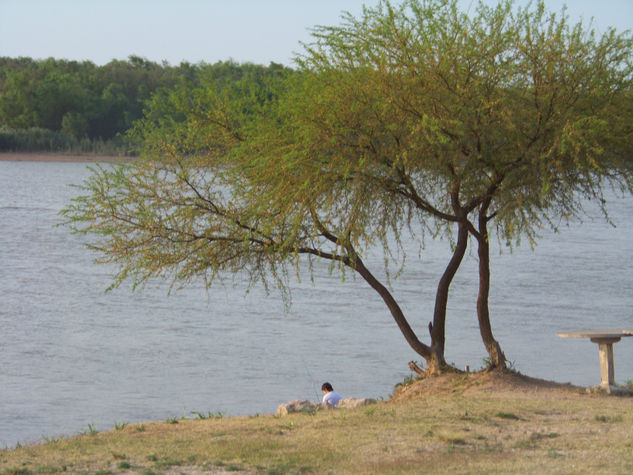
(332, 398)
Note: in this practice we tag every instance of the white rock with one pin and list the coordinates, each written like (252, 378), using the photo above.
(298, 405)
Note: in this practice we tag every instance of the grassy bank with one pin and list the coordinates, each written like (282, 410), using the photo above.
(478, 423)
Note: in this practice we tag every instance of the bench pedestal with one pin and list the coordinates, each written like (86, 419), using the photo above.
(607, 370)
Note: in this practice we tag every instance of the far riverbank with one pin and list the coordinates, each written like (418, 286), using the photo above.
(61, 157)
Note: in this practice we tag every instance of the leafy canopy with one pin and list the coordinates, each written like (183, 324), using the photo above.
(415, 116)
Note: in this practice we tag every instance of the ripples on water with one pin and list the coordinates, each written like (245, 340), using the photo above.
(71, 355)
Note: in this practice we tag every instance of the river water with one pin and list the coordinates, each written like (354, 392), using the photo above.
(72, 355)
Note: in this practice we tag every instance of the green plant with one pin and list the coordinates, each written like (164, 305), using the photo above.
(92, 430)
(120, 425)
(140, 428)
(172, 420)
(507, 415)
(124, 465)
(208, 415)
(553, 454)
(534, 437)
(406, 381)
(18, 471)
(51, 440)
(168, 462)
(608, 419)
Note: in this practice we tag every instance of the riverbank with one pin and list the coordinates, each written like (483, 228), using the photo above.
(57, 157)
(476, 423)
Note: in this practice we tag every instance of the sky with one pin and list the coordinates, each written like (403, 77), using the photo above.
(257, 31)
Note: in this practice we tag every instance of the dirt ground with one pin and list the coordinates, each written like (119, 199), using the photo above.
(501, 383)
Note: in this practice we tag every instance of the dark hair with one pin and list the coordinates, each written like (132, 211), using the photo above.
(327, 387)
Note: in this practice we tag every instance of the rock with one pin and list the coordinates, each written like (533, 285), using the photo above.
(351, 402)
(298, 405)
(303, 405)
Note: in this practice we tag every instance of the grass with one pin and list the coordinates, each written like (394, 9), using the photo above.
(208, 415)
(446, 431)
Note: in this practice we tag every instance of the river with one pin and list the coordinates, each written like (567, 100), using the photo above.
(73, 355)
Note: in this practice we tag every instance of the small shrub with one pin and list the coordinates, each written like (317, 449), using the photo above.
(208, 415)
(507, 415)
(553, 454)
(406, 381)
(168, 462)
(18, 471)
(608, 419)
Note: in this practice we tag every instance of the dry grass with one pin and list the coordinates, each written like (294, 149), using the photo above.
(483, 423)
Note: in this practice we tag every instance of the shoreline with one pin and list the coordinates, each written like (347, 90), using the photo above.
(61, 157)
(475, 423)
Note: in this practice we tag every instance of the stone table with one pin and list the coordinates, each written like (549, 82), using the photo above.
(605, 340)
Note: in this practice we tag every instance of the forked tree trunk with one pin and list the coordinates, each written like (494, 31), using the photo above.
(497, 358)
(433, 355)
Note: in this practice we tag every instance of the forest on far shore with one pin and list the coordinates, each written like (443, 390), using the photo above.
(57, 105)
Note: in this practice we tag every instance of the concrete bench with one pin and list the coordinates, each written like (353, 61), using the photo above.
(605, 340)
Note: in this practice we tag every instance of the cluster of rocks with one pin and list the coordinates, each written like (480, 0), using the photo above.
(303, 405)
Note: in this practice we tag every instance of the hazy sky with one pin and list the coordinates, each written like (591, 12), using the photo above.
(258, 31)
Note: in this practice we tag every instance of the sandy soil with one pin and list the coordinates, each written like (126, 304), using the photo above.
(54, 157)
(506, 382)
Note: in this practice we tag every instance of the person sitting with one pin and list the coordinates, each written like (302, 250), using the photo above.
(330, 397)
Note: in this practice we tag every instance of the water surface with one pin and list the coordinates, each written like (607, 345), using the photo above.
(72, 355)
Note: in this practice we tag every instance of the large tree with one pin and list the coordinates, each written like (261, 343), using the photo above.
(410, 117)
(510, 117)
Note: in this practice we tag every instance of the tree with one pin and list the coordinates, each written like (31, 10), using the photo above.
(415, 117)
(506, 117)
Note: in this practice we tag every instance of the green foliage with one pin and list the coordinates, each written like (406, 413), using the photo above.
(412, 117)
(120, 425)
(507, 415)
(38, 139)
(409, 379)
(165, 462)
(608, 419)
(208, 415)
(79, 101)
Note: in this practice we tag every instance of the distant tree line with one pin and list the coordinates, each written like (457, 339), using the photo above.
(56, 105)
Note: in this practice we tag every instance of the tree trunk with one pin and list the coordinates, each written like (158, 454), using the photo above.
(438, 328)
(434, 359)
(497, 358)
